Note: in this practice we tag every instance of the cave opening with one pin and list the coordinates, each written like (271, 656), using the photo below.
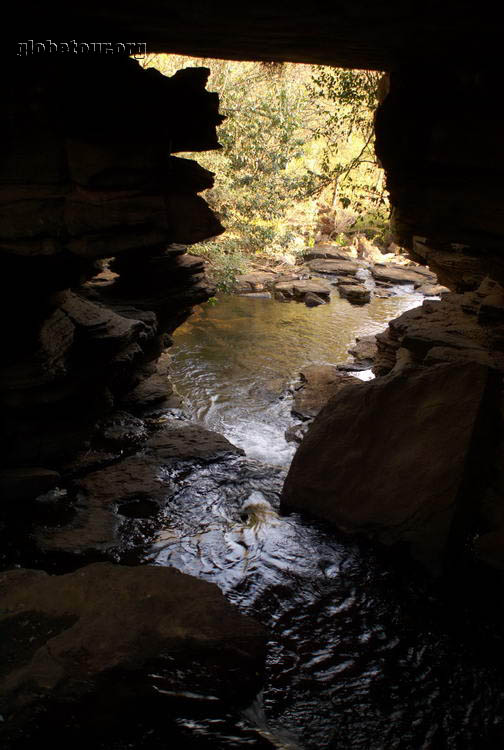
(358, 650)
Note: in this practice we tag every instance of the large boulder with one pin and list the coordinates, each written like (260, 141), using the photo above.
(318, 384)
(356, 294)
(399, 458)
(100, 633)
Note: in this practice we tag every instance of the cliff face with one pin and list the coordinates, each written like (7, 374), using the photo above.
(439, 139)
(88, 174)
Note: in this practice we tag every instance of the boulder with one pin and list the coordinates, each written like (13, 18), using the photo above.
(364, 350)
(313, 300)
(431, 290)
(298, 289)
(318, 384)
(100, 633)
(334, 267)
(156, 390)
(401, 274)
(187, 440)
(256, 281)
(398, 458)
(356, 294)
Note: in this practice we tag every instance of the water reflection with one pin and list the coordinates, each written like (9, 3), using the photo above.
(357, 659)
(360, 657)
(234, 360)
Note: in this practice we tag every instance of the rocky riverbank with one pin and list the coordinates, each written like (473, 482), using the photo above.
(357, 278)
(427, 430)
(65, 651)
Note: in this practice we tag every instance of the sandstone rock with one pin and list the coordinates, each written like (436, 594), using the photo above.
(96, 187)
(356, 294)
(188, 440)
(96, 525)
(364, 350)
(298, 289)
(295, 433)
(154, 391)
(98, 632)
(256, 281)
(318, 384)
(396, 458)
(336, 267)
(431, 290)
(313, 300)
(450, 326)
(329, 252)
(348, 280)
(400, 274)
(121, 431)
(136, 487)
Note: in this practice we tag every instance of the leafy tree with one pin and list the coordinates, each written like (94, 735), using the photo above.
(296, 138)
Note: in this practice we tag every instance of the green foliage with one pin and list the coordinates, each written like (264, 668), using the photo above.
(296, 162)
(345, 101)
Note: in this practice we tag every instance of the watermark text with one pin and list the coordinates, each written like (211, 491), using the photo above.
(74, 47)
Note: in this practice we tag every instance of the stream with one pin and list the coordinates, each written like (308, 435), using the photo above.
(362, 654)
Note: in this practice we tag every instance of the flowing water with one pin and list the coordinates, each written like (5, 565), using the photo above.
(361, 654)
(234, 360)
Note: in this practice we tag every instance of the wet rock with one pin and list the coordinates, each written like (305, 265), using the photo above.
(318, 384)
(121, 431)
(348, 280)
(401, 274)
(421, 438)
(448, 330)
(313, 300)
(356, 294)
(298, 289)
(256, 281)
(97, 525)
(431, 290)
(364, 350)
(187, 440)
(295, 433)
(336, 267)
(98, 633)
(154, 391)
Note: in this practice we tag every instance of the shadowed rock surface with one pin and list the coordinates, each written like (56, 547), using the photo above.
(356, 294)
(64, 643)
(318, 384)
(398, 458)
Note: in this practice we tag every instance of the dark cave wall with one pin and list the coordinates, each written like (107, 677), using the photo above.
(87, 173)
(439, 138)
